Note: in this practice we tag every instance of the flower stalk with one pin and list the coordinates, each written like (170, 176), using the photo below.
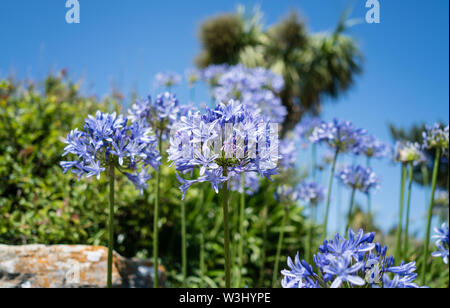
(226, 230)
(330, 187)
(279, 246)
(111, 224)
(430, 214)
(156, 221)
(398, 245)
(241, 231)
(408, 209)
(350, 210)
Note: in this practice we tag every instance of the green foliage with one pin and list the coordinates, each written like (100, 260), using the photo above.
(40, 204)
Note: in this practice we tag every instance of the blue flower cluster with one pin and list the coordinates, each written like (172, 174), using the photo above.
(409, 152)
(288, 154)
(442, 243)
(353, 262)
(223, 143)
(436, 137)
(160, 114)
(110, 139)
(341, 136)
(305, 128)
(256, 88)
(359, 178)
(371, 147)
(311, 192)
(167, 79)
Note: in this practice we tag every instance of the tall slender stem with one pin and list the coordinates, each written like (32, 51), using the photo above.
(156, 221)
(408, 209)
(350, 210)
(202, 236)
(278, 254)
(330, 187)
(398, 244)
(369, 197)
(241, 231)
(430, 215)
(183, 243)
(426, 181)
(263, 248)
(226, 230)
(111, 224)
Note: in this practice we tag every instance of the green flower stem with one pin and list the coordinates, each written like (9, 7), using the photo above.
(398, 244)
(369, 197)
(226, 231)
(426, 181)
(156, 220)
(350, 210)
(408, 209)
(279, 246)
(111, 224)
(183, 243)
(430, 215)
(241, 231)
(202, 236)
(330, 187)
(263, 248)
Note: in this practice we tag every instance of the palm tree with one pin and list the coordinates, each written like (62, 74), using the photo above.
(314, 66)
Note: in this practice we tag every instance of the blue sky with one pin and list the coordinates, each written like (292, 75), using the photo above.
(406, 70)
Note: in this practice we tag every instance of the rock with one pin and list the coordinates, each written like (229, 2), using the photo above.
(67, 266)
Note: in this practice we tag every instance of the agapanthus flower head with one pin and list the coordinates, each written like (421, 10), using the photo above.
(311, 192)
(409, 152)
(354, 262)
(256, 88)
(436, 137)
(341, 136)
(223, 143)
(305, 128)
(442, 243)
(167, 79)
(212, 73)
(110, 139)
(160, 114)
(371, 147)
(359, 178)
(192, 76)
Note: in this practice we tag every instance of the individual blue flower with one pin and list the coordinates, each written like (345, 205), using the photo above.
(341, 136)
(442, 243)
(167, 79)
(359, 178)
(110, 139)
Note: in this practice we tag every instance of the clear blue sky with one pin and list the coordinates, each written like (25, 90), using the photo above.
(405, 80)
